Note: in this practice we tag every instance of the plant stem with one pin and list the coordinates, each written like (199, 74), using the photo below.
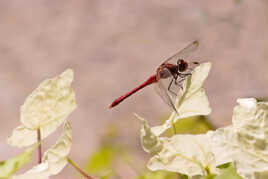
(79, 169)
(173, 127)
(39, 154)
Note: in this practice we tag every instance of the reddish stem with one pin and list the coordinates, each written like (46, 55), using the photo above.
(79, 169)
(39, 154)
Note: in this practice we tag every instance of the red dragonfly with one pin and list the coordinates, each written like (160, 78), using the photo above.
(169, 76)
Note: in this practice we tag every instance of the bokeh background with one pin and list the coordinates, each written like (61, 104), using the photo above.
(113, 46)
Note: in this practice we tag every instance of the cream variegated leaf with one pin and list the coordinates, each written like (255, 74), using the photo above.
(187, 154)
(37, 172)
(46, 108)
(22, 136)
(150, 142)
(192, 101)
(54, 99)
(57, 155)
(244, 143)
(197, 78)
(54, 159)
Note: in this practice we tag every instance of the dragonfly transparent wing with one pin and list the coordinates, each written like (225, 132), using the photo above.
(167, 89)
(184, 53)
(160, 90)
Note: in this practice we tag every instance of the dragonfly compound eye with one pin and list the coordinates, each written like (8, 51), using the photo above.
(182, 65)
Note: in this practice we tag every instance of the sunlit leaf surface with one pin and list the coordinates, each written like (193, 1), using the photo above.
(54, 159)
(243, 143)
(150, 142)
(57, 155)
(38, 171)
(187, 154)
(46, 107)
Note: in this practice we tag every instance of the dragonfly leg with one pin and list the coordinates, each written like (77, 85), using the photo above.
(179, 82)
(170, 86)
(175, 77)
(183, 75)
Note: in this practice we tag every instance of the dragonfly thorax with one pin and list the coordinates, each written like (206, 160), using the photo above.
(167, 70)
(164, 74)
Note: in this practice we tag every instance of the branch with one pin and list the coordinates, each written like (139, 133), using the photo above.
(79, 169)
(39, 154)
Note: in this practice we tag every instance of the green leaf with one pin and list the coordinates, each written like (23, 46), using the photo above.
(158, 175)
(100, 162)
(106, 175)
(191, 125)
(227, 171)
(10, 166)
(225, 165)
(184, 176)
(46, 108)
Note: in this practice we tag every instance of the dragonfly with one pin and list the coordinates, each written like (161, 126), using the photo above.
(169, 76)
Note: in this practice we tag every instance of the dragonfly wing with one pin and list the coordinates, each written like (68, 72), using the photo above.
(166, 93)
(184, 53)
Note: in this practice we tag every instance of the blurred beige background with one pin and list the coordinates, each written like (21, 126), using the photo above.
(113, 46)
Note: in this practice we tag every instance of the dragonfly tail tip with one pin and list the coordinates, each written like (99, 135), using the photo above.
(112, 105)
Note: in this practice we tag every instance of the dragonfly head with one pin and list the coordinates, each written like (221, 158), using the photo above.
(182, 65)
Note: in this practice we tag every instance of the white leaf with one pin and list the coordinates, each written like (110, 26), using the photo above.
(37, 172)
(198, 77)
(57, 155)
(187, 154)
(244, 143)
(192, 101)
(22, 136)
(54, 159)
(150, 142)
(46, 108)
(53, 100)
